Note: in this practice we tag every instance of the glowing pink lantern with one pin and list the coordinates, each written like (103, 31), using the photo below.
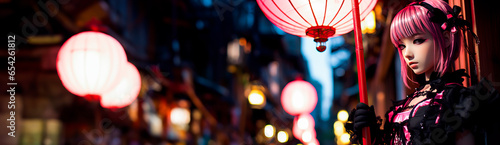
(308, 136)
(88, 63)
(302, 123)
(313, 142)
(319, 19)
(299, 97)
(126, 91)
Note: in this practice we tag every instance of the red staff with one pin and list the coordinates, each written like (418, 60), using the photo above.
(363, 98)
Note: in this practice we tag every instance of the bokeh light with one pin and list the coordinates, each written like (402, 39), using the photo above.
(269, 131)
(256, 97)
(282, 136)
(345, 138)
(338, 128)
(343, 115)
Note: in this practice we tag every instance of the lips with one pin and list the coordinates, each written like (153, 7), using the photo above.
(413, 65)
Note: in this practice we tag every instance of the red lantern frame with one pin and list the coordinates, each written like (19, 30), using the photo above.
(319, 19)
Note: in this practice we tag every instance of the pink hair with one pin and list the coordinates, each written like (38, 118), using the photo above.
(415, 19)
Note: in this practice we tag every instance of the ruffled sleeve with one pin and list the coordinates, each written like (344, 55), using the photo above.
(465, 108)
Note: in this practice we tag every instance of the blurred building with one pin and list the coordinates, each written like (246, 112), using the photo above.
(199, 61)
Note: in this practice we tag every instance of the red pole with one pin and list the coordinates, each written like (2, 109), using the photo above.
(363, 98)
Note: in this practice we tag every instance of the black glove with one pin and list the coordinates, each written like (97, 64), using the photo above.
(360, 117)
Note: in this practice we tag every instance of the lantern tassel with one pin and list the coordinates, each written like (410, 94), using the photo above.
(360, 65)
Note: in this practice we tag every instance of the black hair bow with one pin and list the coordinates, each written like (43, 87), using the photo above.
(449, 22)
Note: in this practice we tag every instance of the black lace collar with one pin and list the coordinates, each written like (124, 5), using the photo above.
(438, 83)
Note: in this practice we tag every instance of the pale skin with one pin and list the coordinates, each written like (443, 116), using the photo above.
(419, 54)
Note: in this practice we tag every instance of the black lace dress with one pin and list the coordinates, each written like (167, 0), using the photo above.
(447, 109)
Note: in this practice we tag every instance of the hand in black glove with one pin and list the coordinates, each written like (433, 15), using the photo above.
(360, 117)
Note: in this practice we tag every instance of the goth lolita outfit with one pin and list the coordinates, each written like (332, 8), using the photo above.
(448, 108)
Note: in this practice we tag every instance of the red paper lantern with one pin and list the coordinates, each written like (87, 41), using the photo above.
(302, 123)
(319, 19)
(299, 97)
(126, 91)
(88, 63)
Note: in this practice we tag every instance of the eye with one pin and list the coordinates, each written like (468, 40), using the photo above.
(418, 41)
(401, 46)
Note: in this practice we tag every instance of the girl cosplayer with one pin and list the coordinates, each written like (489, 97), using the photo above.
(427, 35)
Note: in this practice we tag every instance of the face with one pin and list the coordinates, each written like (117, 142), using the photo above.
(418, 52)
